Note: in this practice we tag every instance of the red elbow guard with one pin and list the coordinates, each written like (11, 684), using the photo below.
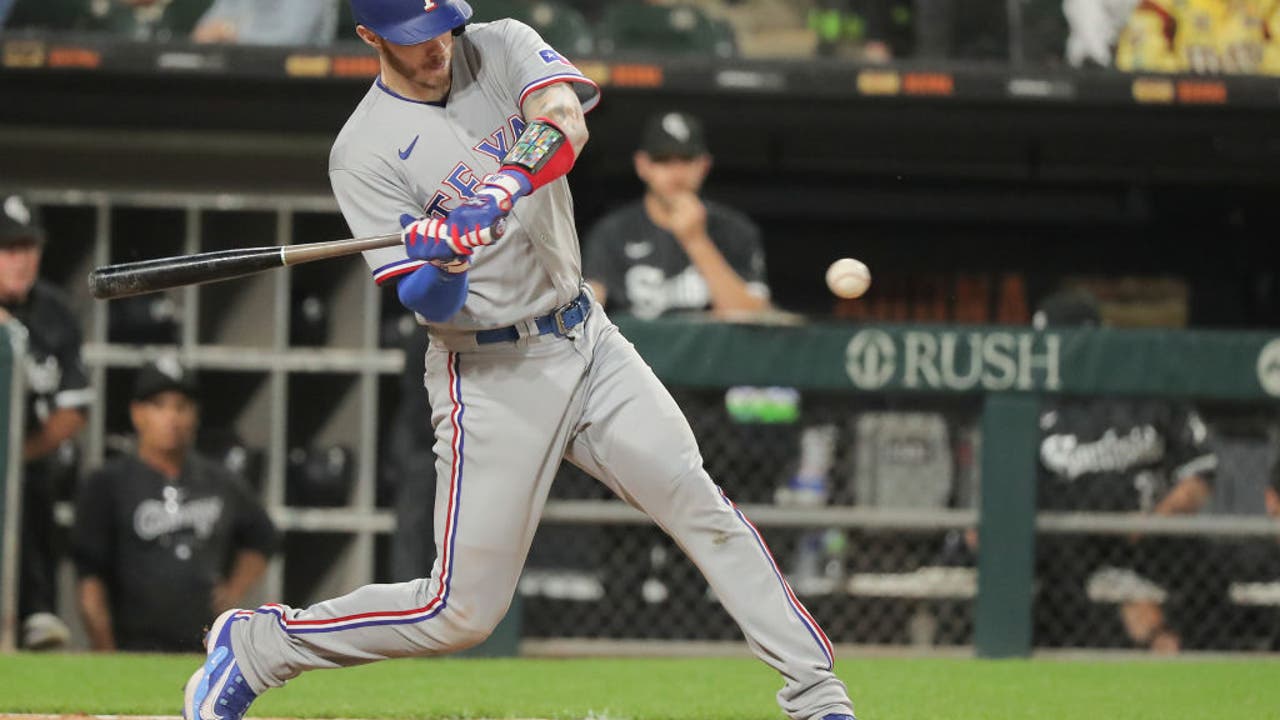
(542, 154)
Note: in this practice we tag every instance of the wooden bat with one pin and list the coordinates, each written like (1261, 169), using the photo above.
(137, 278)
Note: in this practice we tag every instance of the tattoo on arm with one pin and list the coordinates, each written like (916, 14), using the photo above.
(560, 103)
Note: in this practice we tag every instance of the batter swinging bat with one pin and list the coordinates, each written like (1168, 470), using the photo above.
(137, 278)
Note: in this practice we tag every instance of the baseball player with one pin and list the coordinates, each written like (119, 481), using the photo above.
(467, 128)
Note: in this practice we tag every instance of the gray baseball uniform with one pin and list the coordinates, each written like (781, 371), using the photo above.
(505, 414)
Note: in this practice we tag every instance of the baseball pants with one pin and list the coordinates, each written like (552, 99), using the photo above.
(505, 416)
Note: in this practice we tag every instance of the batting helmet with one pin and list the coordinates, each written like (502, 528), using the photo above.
(409, 22)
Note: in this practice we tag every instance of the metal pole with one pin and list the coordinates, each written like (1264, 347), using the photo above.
(11, 508)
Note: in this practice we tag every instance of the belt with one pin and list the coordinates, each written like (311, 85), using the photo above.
(560, 322)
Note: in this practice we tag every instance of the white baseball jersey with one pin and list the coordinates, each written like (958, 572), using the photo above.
(398, 156)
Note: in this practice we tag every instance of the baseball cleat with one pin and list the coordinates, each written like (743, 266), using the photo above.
(218, 690)
(839, 716)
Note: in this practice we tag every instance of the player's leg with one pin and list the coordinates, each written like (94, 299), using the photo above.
(501, 428)
(635, 439)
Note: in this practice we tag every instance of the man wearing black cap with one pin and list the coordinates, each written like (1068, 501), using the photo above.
(165, 539)
(671, 250)
(57, 395)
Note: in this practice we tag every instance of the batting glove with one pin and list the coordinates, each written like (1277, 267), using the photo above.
(488, 207)
(424, 239)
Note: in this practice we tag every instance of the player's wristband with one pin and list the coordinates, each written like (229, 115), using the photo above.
(541, 154)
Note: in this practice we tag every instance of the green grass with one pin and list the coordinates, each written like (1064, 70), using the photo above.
(897, 689)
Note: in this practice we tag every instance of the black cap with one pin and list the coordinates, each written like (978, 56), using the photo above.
(1068, 308)
(673, 134)
(164, 375)
(18, 222)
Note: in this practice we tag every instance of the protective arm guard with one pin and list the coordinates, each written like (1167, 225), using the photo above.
(541, 154)
(433, 292)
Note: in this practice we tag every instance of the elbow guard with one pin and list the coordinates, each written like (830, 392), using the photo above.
(433, 292)
(541, 154)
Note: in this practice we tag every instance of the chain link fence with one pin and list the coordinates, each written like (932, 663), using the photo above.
(896, 565)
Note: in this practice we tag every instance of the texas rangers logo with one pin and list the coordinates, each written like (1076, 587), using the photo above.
(429, 6)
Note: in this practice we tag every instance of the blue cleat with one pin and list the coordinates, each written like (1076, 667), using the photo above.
(217, 690)
(838, 716)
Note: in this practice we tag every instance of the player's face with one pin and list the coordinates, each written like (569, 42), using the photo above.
(669, 176)
(425, 67)
(19, 266)
(165, 422)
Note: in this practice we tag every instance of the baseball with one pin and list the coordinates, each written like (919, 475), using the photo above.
(848, 278)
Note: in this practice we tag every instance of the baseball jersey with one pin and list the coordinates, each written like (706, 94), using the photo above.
(647, 273)
(398, 156)
(55, 375)
(1109, 455)
(161, 546)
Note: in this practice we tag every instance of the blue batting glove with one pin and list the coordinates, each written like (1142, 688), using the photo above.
(490, 204)
(423, 240)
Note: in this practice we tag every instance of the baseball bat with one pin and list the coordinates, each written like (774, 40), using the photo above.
(137, 278)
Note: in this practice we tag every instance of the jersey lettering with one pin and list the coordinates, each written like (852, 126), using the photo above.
(499, 142)
(437, 206)
(463, 180)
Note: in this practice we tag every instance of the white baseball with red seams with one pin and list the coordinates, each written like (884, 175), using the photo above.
(848, 278)
(506, 414)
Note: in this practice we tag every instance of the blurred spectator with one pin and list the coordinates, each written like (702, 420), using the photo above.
(143, 20)
(5, 7)
(57, 396)
(563, 26)
(655, 27)
(1201, 36)
(165, 539)
(867, 30)
(1109, 454)
(765, 28)
(1093, 28)
(671, 250)
(269, 22)
(968, 29)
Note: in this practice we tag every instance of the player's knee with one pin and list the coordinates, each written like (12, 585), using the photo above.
(472, 632)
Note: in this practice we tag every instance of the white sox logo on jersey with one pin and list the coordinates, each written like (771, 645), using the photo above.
(462, 180)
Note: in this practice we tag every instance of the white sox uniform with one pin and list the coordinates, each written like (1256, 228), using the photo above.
(509, 401)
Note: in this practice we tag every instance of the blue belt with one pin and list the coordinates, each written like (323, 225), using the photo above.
(559, 322)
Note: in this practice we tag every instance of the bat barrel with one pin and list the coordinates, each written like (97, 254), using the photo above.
(137, 278)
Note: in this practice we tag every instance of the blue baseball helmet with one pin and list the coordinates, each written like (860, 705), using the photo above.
(410, 22)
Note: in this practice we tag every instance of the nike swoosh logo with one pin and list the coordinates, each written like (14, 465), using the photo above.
(405, 153)
(210, 699)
